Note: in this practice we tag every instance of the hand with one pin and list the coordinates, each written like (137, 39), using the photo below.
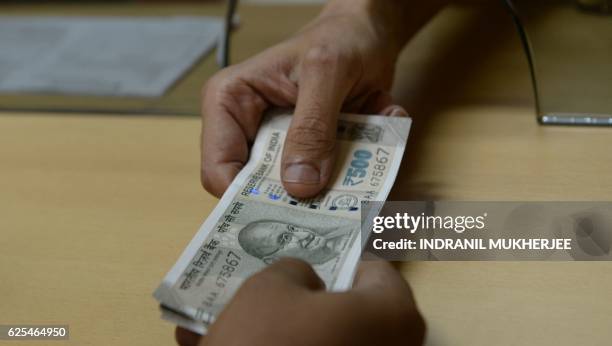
(344, 60)
(286, 304)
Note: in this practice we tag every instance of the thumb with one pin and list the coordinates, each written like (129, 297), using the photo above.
(308, 156)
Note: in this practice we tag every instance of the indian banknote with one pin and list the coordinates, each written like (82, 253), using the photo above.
(256, 222)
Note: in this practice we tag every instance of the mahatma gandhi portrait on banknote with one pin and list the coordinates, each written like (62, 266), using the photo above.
(263, 235)
(270, 240)
(256, 222)
(250, 235)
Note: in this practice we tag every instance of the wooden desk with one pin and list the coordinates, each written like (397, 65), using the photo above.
(95, 209)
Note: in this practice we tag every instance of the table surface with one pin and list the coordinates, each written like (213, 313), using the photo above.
(95, 209)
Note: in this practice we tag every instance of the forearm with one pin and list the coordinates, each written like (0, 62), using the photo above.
(395, 21)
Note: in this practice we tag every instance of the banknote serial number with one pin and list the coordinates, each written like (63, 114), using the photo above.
(380, 166)
(361, 161)
(231, 262)
(8, 332)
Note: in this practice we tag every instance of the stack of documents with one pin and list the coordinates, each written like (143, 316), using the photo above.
(102, 56)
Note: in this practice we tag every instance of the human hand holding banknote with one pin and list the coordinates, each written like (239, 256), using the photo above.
(292, 186)
(343, 60)
(257, 223)
(286, 304)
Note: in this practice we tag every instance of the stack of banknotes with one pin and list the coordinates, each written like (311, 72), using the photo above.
(256, 222)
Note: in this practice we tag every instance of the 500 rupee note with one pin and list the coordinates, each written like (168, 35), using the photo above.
(256, 222)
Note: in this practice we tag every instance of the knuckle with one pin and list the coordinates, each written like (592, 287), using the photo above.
(205, 88)
(322, 56)
(211, 84)
(225, 86)
(221, 82)
(207, 180)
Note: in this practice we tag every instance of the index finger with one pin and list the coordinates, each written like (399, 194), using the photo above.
(231, 112)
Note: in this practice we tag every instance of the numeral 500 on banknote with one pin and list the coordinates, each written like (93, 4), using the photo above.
(256, 222)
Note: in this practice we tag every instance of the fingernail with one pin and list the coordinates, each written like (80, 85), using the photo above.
(302, 173)
(398, 112)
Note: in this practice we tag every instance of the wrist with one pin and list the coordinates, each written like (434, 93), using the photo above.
(378, 15)
(393, 21)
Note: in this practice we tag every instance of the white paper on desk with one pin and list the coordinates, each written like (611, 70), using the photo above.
(109, 56)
